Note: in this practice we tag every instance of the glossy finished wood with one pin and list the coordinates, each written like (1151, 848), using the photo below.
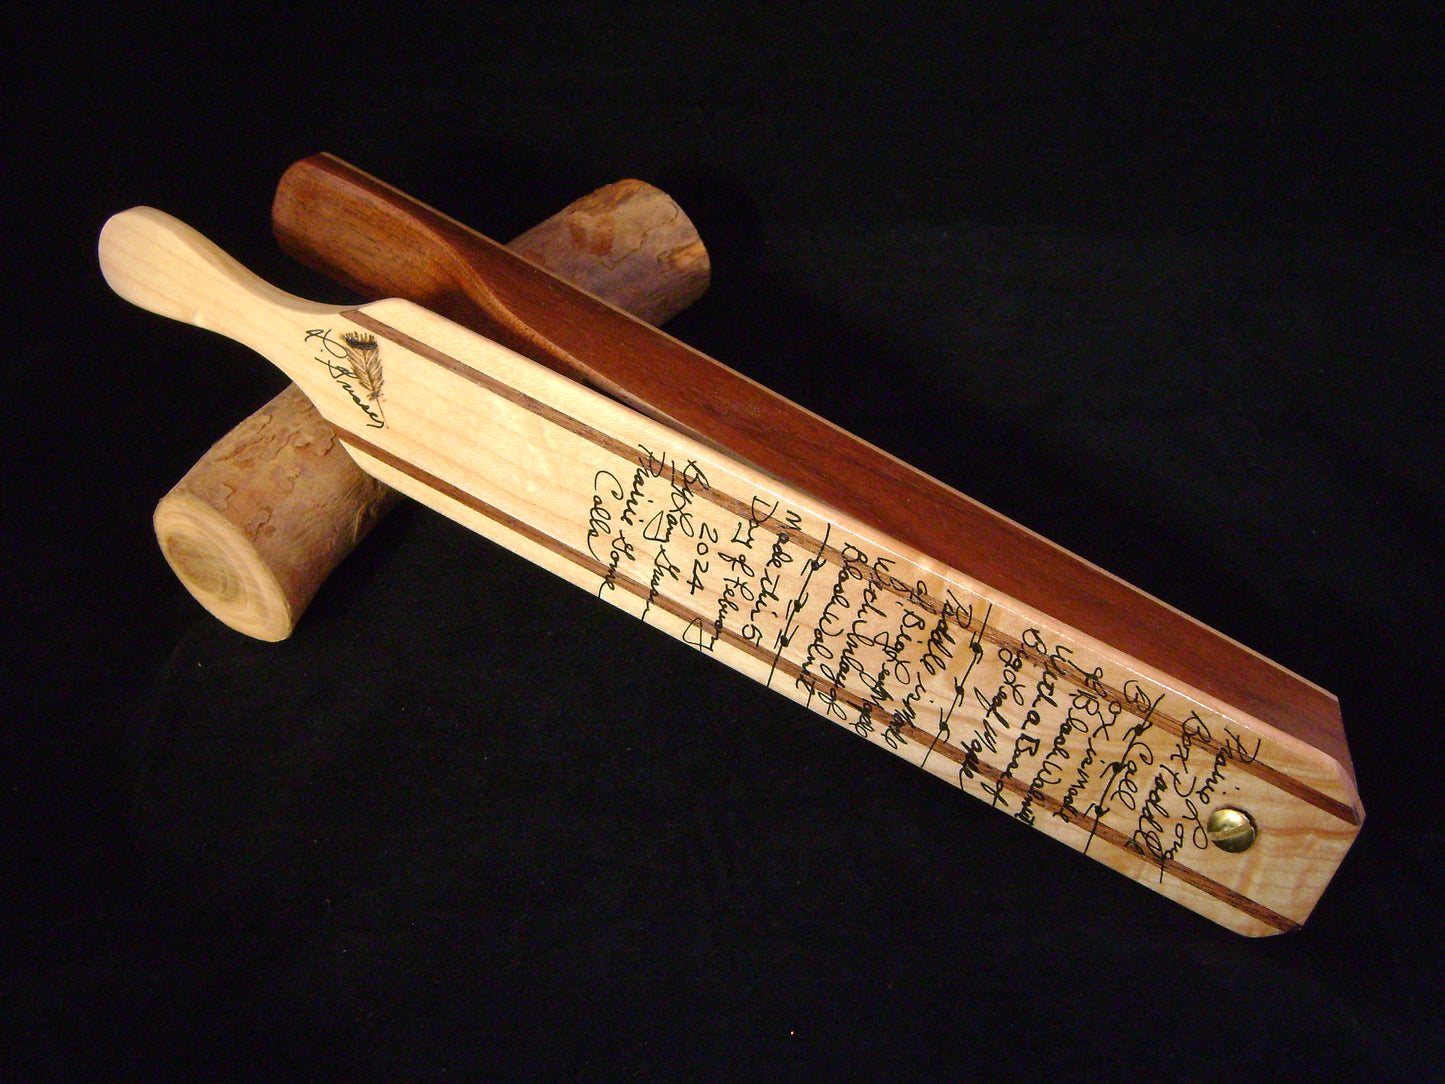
(534, 313)
(1046, 722)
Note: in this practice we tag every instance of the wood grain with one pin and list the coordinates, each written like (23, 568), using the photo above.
(261, 520)
(540, 316)
(1053, 726)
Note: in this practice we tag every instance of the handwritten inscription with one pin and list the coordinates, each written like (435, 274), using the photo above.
(1002, 707)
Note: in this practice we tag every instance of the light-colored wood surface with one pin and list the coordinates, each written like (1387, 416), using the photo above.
(1044, 722)
(260, 521)
(384, 243)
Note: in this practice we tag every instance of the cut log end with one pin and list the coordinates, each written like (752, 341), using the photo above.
(255, 527)
(221, 568)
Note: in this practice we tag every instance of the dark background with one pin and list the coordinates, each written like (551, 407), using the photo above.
(1165, 287)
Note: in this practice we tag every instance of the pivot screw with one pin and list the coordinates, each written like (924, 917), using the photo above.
(1231, 830)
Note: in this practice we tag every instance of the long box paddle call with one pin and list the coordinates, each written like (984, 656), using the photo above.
(1085, 709)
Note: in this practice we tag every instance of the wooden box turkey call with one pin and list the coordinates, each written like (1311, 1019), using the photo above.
(753, 531)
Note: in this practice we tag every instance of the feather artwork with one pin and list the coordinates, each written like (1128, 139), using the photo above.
(365, 358)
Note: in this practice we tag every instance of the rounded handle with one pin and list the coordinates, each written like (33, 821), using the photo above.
(162, 265)
(257, 525)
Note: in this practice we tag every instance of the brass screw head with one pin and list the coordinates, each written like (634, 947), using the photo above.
(1231, 830)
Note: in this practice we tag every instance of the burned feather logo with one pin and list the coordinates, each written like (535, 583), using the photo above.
(354, 362)
(365, 358)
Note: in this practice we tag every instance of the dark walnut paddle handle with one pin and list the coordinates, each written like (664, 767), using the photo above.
(256, 526)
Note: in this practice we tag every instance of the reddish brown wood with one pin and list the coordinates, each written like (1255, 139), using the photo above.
(378, 240)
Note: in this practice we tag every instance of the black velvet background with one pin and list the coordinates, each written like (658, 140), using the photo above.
(1165, 287)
